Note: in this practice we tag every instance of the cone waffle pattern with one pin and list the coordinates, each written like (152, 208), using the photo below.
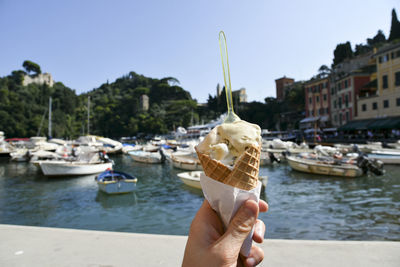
(244, 174)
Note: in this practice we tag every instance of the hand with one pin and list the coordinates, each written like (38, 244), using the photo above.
(208, 245)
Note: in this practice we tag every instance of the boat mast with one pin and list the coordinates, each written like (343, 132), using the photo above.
(88, 115)
(50, 100)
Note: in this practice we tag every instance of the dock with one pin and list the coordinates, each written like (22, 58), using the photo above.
(43, 246)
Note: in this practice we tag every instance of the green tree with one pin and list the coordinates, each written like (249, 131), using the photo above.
(395, 27)
(31, 67)
(342, 52)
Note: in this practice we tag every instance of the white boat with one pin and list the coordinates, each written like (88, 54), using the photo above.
(387, 156)
(188, 163)
(115, 182)
(320, 166)
(191, 179)
(65, 168)
(146, 157)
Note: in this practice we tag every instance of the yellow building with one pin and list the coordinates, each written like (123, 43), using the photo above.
(381, 98)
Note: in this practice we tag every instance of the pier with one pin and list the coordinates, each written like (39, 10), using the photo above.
(42, 246)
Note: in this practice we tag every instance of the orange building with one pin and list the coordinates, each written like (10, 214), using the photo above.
(281, 83)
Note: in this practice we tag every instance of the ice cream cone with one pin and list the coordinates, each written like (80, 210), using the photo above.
(243, 175)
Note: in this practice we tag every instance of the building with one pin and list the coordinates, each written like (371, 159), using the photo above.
(381, 97)
(240, 95)
(317, 103)
(344, 96)
(42, 78)
(280, 84)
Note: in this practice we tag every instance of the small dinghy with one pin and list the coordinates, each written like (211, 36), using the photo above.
(115, 182)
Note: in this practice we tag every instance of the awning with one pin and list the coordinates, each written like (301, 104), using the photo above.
(385, 123)
(356, 125)
(309, 119)
(372, 124)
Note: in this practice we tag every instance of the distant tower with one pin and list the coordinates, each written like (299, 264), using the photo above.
(144, 103)
(219, 90)
(280, 87)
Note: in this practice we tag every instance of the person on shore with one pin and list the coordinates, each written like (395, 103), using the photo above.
(208, 245)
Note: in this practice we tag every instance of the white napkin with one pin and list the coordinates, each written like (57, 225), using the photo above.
(226, 200)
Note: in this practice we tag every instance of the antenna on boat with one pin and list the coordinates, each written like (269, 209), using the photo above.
(50, 102)
(88, 115)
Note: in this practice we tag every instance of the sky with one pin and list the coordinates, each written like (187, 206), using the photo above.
(85, 43)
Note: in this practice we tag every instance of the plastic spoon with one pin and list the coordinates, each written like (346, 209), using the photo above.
(231, 116)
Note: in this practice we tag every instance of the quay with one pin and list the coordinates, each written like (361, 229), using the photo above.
(43, 246)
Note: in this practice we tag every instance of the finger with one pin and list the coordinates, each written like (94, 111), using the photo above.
(255, 257)
(259, 231)
(263, 206)
(240, 226)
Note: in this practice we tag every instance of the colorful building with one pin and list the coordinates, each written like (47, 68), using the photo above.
(381, 98)
(317, 103)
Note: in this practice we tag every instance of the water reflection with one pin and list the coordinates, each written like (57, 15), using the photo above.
(119, 200)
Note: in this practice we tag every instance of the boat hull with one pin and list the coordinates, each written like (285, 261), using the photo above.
(186, 164)
(117, 187)
(191, 179)
(146, 157)
(309, 166)
(386, 158)
(72, 168)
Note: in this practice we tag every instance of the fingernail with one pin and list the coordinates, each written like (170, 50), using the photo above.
(251, 261)
(259, 231)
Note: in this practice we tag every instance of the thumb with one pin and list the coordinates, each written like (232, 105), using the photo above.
(240, 226)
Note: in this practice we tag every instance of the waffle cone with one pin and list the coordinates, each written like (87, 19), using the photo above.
(244, 174)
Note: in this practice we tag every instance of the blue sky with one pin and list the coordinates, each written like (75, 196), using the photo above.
(85, 43)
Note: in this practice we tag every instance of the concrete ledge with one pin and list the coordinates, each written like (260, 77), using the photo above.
(41, 246)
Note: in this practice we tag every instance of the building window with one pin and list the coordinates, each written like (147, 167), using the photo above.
(335, 118)
(385, 103)
(327, 110)
(324, 97)
(347, 116)
(339, 86)
(384, 81)
(364, 107)
(345, 84)
(340, 102)
(310, 100)
(317, 98)
(334, 103)
(374, 105)
(346, 100)
(398, 101)
(397, 78)
(385, 58)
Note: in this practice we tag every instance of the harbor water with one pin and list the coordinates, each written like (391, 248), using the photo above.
(302, 206)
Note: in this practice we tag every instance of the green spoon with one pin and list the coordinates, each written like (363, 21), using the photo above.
(231, 116)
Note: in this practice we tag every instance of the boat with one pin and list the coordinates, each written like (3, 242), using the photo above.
(69, 168)
(387, 156)
(187, 162)
(325, 167)
(147, 157)
(116, 182)
(191, 179)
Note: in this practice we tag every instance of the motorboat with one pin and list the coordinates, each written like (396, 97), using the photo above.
(324, 167)
(191, 179)
(336, 165)
(387, 156)
(147, 157)
(188, 162)
(116, 182)
(67, 168)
